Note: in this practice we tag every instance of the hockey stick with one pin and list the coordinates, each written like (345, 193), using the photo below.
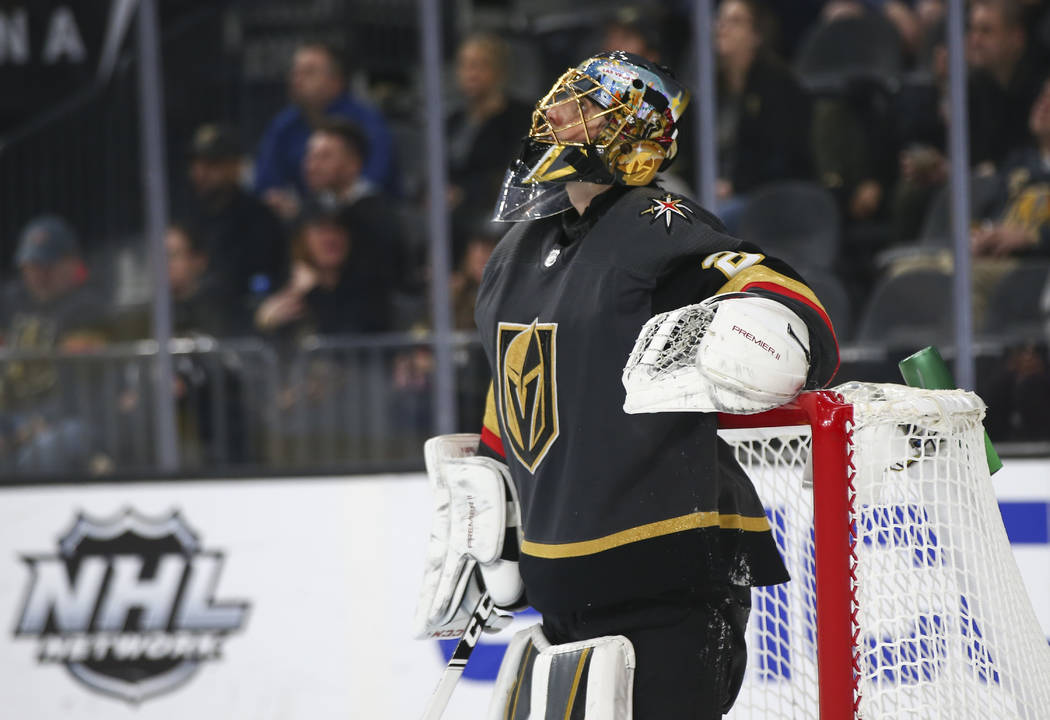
(458, 662)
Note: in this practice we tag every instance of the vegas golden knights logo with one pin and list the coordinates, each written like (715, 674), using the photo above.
(528, 394)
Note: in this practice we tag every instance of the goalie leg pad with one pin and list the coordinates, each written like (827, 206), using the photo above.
(473, 507)
(540, 681)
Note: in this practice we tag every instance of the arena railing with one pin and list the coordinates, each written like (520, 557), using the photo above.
(343, 405)
(66, 416)
(330, 405)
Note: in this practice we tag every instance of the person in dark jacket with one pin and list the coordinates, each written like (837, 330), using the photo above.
(53, 308)
(920, 110)
(200, 304)
(329, 292)
(484, 133)
(997, 45)
(245, 242)
(335, 156)
(763, 113)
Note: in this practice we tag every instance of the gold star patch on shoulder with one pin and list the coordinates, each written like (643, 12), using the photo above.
(665, 207)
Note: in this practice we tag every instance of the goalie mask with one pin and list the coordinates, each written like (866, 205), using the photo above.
(610, 120)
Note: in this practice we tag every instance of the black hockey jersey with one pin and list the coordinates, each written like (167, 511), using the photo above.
(616, 506)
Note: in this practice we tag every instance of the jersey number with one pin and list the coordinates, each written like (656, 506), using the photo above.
(729, 263)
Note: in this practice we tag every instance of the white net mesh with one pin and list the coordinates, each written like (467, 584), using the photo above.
(781, 678)
(946, 629)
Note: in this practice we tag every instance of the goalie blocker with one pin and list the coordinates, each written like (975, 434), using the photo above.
(473, 538)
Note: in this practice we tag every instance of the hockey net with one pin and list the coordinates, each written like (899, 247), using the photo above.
(905, 599)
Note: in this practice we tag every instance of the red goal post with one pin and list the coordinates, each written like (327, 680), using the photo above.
(905, 599)
(830, 420)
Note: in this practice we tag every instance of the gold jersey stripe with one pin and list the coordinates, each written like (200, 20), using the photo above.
(761, 273)
(490, 420)
(644, 532)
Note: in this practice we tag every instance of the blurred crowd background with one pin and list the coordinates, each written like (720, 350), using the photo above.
(298, 240)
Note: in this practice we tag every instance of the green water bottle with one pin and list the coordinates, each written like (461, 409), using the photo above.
(927, 369)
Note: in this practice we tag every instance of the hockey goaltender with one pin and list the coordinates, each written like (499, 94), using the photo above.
(618, 318)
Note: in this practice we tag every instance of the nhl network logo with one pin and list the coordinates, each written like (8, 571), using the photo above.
(127, 604)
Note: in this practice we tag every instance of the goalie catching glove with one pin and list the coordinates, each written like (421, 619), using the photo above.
(473, 539)
(735, 353)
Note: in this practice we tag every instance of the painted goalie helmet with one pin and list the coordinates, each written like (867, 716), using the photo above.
(610, 120)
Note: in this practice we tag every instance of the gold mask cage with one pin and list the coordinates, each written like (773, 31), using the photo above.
(564, 91)
(633, 159)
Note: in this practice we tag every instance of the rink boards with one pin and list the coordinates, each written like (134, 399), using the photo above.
(265, 599)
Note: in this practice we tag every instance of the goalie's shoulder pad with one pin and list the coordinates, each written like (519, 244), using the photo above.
(738, 353)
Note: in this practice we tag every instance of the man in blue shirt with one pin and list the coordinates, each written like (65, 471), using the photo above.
(317, 89)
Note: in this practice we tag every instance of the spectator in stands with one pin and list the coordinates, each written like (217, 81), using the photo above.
(484, 133)
(1020, 223)
(200, 305)
(317, 88)
(245, 242)
(854, 147)
(997, 44)
(631, 30)
(335, 156)
(330, 290)
(52, 308)
(467, 277)
(472, 371)
(852, 134)
(763, 113)
(921, 111)
(1001, 85)
(904, 16)
(930, 14)
(336, 152)
(1017, 224)
(413, 368)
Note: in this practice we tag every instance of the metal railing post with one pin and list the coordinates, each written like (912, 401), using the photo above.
(704, 106)
(155, 211)
(959, 155)
(437, 216)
